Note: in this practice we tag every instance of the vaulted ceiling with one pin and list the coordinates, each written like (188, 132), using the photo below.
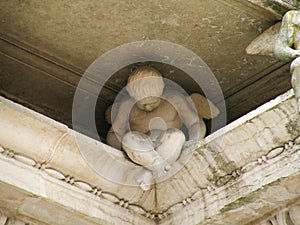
(45, 47)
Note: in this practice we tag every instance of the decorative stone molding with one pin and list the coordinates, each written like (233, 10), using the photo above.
(239, 146)
(257, 152)
(253, 196)
(61, 195)
(265, 159)
(173, 209)
(72, 181)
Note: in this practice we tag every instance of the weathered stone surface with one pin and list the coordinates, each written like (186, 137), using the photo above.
(238, 147)
(49, 145)
(286, 216)
(30, 192)
(234, 176)
(247, 198)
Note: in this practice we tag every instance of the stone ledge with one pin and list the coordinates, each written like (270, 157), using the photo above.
(43, 143)
(224, 155)
(272, 184)
(218, 165)
(27, 191)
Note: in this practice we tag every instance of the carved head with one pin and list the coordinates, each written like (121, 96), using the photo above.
(146, 85)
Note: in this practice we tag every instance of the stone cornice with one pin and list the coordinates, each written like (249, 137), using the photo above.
(276, 7)
(288, 150)
(265, 140)
(29, 192)
(247, 196)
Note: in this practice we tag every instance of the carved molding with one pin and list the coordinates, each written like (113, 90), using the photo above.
(46, 191)
(272, 154)
(221, 181)
(69, 179)
(51, 161)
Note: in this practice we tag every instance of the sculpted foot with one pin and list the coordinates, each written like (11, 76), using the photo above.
(140, 149)
(147, 177)
(161, 168)
(145, 180)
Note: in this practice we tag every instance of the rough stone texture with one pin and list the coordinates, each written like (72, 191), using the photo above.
(227, 151)
(46, 144)
(29, 192)
(236, 175)
(254, 194)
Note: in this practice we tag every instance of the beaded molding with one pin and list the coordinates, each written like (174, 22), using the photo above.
(221, 181)
(98, 192)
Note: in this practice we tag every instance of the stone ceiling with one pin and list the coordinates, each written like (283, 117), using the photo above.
(45, 47)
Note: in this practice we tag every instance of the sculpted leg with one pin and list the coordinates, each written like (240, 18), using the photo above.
(140, 149)
(171, 145)
(295, 70)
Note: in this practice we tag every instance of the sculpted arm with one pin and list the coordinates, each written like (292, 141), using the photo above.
(119, 126)
(284, 47)
(189, 117)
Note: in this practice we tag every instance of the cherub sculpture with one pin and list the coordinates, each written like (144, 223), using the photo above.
(147, 126)
(287, 47)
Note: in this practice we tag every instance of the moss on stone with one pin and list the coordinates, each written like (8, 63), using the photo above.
(275, 7)
(279, 9)
(222, 164)
(242, 201)
(293, 127)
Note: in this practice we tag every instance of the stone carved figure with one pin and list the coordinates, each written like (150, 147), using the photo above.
(148, 125)
(287, 47)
